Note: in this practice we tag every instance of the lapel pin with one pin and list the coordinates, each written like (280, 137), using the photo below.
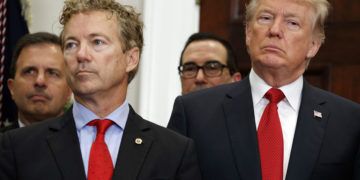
(317, 114)
(138, 141)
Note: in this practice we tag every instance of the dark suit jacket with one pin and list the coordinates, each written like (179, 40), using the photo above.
(14, 125)
(50, 150)
(221, 122)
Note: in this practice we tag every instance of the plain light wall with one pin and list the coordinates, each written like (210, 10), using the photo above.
(167, 25)
(45, 14)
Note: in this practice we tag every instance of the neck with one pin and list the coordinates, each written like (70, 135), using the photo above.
(28, 119)
(276, 78)
(103, 103)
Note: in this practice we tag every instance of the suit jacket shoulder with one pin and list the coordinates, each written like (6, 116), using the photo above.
(40, 151)
(14, 125)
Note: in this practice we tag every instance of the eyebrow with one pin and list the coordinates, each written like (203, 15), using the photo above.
(286, 14)
(92, 35)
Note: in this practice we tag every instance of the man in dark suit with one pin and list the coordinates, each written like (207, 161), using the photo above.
(100, 137)
(37, 80)
(273, 124)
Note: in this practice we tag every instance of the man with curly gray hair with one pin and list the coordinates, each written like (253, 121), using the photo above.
(101, 137)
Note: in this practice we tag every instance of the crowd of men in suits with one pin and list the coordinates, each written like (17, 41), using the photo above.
(271, 125)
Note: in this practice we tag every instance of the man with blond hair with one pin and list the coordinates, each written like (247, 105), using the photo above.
(273, 125)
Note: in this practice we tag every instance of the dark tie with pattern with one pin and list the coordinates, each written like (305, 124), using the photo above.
(100, 163)
(270, 138)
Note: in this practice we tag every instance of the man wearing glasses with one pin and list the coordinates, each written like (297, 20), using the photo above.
(207, 61)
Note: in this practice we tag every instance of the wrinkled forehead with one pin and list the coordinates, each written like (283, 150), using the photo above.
(286, 7)
(301, 9)
(90, 21)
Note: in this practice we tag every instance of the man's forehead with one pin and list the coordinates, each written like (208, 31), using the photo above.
(42, 56)
(203, 51)
(100, 21)
(286, 7)
(205, 43)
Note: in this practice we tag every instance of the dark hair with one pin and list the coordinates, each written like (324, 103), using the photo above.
(29, 40)
(201, 36)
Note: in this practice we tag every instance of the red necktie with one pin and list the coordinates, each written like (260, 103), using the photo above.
(100, 163)
(271, 145)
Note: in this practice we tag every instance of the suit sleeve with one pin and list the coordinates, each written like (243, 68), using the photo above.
(357, 165)
(178, 118)
(7, 166)
(189, 168)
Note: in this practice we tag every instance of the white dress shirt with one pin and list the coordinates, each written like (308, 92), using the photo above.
(87, 134)
(21, 124)
(288, 109)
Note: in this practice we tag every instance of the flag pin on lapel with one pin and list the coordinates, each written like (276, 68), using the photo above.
(138, 141)
(317, 114)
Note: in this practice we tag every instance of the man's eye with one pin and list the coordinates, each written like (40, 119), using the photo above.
(213, 65)
(189, 68)
(54, 73)
(29, 71)
(70, 45)
(264, 19)
(293, 25)
(98, 42)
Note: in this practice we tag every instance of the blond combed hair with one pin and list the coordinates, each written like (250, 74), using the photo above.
(131, 27)
(320, 7)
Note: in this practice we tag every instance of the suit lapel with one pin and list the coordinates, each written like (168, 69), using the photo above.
(239, 113)
(64, 145)
(310, 129)
(132, 154)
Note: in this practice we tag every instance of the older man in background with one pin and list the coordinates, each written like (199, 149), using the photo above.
(37, 80)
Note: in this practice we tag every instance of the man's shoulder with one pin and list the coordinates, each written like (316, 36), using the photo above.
(12, 126)
(35, 132)
(215, 93)
(331, 98)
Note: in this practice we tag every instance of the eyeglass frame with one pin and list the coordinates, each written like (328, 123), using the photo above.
(221, 69)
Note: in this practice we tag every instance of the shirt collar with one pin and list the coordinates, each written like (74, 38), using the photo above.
(83, 115)
(291, 91)
(21, 124)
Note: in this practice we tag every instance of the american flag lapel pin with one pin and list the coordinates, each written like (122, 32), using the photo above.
(317, 114)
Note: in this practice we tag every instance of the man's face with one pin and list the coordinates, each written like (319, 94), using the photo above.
(199, 53)
(39, 87)
(280, 37)
(95, 59)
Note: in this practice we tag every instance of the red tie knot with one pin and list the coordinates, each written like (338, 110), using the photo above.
(101, 125)
(274, 95)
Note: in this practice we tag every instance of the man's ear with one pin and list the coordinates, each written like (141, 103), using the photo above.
(236, 77)
(10, 83)
(132, 58)
(314, 48)
(248, 32)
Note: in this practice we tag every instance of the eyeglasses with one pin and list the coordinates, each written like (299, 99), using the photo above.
(210, 69)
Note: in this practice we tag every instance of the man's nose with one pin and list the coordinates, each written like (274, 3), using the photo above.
(83, 53)
(276, 28)
(200, 76)
(40, 80)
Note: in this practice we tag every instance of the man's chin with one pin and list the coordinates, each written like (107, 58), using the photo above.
(197, 88)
